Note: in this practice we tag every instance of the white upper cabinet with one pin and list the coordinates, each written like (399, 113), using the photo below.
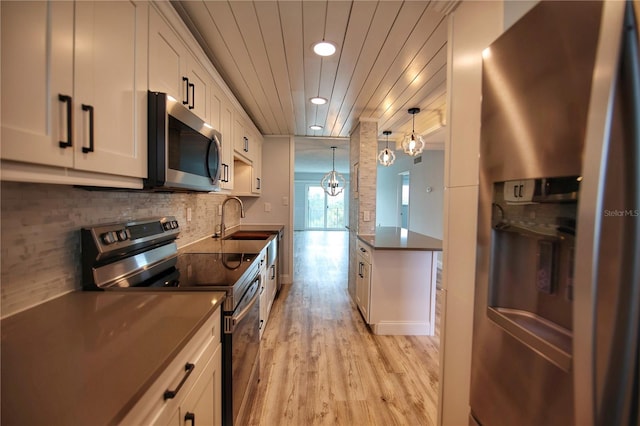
(74, 90)
(199, 84)
(37, 70)
(167, 59)
(222, 110)
(110, 105)
(175, 71)
(255, 142)
(240, 138)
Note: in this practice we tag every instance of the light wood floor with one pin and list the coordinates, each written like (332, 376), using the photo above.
(320, 363)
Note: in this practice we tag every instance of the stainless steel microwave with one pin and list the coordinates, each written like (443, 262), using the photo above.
(184, 151)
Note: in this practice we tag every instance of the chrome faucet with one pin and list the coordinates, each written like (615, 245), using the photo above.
(223, 227)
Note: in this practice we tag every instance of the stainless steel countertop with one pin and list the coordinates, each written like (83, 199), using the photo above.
(392, 238)
(86, 357)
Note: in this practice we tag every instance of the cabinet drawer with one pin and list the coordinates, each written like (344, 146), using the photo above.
(364, 250)
(153, 407)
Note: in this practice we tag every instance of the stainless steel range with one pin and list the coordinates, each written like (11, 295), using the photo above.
(142, 255)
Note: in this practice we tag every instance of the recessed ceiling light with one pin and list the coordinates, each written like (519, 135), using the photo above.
(324, 48)
(315, 127)
(318, 100)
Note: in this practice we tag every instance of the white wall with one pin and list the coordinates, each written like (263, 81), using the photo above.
(425, 208)
(387, 196)
(277, 194)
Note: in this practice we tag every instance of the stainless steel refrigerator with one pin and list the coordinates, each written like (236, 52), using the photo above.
(557, 298)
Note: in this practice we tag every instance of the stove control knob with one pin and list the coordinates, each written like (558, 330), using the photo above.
(174, 224)
(109, 237)
(122, 235)
(166, 226)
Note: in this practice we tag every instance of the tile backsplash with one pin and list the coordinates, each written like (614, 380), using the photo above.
(40, 232)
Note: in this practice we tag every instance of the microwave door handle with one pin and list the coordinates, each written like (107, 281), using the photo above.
(213, 144)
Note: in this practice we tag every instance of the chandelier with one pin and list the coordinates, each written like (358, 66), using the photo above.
(413, 145)
(386, 156)
(333, 182)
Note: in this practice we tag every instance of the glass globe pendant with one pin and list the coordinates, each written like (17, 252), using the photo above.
(413, 145)
(333, 182)
(386, 156)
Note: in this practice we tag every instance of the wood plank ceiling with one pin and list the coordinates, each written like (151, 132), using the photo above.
(391, 56)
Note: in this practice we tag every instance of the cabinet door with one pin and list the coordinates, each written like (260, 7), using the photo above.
(241, 140)
(273, 284)
(226, 129)
(199, 89)
(256, 157)
(363, 287)
(37, 67)
(167, 58)
(203, 404)
(110, 106)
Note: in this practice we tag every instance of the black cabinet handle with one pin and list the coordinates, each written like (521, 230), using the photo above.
(186, 91)
(360, 265)
(67, 99)
(227, 173)
(192, 105)
(273, 272)
(246, 144)
(259, 183)
(188, 368)
(515, 191)
(90, 109)
(520, 191)
(190, 417)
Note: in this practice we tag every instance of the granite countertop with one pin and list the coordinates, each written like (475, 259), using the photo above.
(86, 357)
(392, 238)
(219, 245)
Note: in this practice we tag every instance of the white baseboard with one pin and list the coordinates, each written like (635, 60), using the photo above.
(402, 328)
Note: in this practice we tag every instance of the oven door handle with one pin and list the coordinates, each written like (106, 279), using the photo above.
(231, 320)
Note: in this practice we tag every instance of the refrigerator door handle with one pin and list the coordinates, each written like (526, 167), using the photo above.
(618, 403)
(590, 212)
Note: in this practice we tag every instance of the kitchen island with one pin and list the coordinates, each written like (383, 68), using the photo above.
(89, 357)
(396, 281)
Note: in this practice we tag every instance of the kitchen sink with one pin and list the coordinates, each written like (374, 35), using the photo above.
(249, 235)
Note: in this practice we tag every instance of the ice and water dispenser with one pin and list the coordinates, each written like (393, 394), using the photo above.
(532, 263)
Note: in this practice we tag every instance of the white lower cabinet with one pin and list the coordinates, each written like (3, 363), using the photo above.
(201, 406)
(189, 392)
(264, 314)
(396, 289)
(363, 280)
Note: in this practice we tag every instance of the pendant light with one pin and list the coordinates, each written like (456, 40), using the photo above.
(333, 182)
(386, 156)
(413, 145)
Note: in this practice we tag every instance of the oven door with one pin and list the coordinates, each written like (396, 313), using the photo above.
(241, 355)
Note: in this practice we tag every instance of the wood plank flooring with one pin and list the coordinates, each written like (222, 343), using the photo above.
(320, 364)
